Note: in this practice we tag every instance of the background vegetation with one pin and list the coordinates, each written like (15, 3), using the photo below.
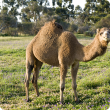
(93, 81)
(19, 17)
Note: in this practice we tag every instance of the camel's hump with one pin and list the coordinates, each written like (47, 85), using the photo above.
(51, 29)
(54, 24)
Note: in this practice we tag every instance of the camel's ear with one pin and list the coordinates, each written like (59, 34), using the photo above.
(53, 21)
(98, 30)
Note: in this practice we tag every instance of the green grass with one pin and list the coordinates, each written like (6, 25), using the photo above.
(93, 81)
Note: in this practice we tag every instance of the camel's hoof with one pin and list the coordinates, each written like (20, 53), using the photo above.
(27, 100)
(37, 95)
(62, 103)
(32, 81)
(77, 101)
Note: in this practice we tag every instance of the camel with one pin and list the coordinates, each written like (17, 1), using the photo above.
(54, 46)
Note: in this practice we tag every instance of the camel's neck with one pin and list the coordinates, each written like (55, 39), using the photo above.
(96, 48)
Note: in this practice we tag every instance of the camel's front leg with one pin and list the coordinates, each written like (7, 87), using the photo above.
(63, 71)
(74, 70)
(37, 66)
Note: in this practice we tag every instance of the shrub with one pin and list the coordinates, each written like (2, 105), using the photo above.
(3, 35)
(88, 33)
(72, 28)
(104, 22)
(10, 32)
(25, 28)
(82, 29)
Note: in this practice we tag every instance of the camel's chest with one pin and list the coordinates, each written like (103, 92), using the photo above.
(46, 51)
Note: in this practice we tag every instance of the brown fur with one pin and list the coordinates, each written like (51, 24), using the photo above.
(54, 46)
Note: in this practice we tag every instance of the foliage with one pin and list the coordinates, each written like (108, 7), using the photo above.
(104, 22)
(96, 9)
(48, 11)
(72, 27)
(82, 29)
(7, 23)
(63, 10)
(33, 11)
(25, 28)
(88, 33)
(93, 81)
(78, 10)
(12, 6)
(10, 32)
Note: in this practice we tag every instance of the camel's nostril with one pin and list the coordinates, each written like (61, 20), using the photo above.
(108, 36)
(108, 33)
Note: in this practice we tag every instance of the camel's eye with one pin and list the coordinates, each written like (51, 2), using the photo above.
(101, 33)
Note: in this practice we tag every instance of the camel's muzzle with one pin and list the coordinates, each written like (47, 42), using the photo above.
(106, 36)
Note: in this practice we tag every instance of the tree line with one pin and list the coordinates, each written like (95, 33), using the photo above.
(28, 16)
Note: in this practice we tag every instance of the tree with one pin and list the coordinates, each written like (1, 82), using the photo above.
(12, 12)
(13, 6)
(63, 10)
(78, 10)
(104, 22)
(48, 11)
(96, 9)
(33, 10)
(7, 24)
(8, 19)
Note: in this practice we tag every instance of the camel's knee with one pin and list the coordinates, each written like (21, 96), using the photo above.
(34, 81)
(28, 73)
(26, 83)
(62, 87)
(74, 86)
(29, 68)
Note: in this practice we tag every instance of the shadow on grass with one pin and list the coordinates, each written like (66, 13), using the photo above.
(9, 92)
(37, 108)
(89, 65)
(71, 99)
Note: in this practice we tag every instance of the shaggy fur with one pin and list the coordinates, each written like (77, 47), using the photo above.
(54, 46)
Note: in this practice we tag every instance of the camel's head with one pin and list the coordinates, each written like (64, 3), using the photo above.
(104, 34)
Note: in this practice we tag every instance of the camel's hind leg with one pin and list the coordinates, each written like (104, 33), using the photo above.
(37, 66)
(27, 77)
(74, 70)
(29, 67)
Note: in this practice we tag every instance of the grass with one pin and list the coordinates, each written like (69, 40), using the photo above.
(93, 81)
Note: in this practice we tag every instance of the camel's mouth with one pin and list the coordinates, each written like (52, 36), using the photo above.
(107, 38)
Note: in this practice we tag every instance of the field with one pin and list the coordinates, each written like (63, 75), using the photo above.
(93, 81)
